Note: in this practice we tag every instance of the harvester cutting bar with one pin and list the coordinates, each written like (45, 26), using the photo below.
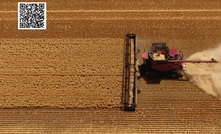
(194, 61)
(130, 78)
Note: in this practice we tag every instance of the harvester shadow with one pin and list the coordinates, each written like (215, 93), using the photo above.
(150, 81)
(158, 79)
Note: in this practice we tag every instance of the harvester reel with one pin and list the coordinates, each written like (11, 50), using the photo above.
(130, 73)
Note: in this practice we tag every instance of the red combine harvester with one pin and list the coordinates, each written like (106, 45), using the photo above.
(157, 62)
(161, 61)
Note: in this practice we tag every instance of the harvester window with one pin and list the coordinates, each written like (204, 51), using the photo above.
(158, 55)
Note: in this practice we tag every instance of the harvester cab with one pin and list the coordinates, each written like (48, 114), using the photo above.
(159, 51)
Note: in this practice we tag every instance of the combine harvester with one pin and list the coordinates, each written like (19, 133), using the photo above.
(159, 61)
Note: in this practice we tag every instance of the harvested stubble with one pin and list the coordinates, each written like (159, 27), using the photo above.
(61, 72)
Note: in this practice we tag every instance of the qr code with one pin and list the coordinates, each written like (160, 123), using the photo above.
(31, 15)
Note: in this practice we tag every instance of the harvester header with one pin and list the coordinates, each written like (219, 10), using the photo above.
(130, 73)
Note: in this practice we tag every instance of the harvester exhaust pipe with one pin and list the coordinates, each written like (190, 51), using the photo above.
(130, 75)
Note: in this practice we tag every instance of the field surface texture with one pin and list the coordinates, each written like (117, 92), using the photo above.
(68, 78)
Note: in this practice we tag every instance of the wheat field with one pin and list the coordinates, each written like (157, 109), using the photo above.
(68, 78)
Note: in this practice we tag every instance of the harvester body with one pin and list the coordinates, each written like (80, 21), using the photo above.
(160, 60)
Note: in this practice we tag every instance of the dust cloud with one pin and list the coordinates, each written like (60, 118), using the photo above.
(206, 76)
